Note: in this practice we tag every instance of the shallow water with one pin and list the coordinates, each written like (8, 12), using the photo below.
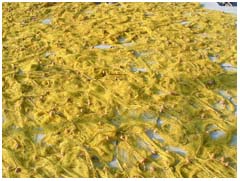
(103, 46)
(177, 150)
(39, 137)
(135, 69)
(154, 136)
(234, 140)
(228, 67)
(217, 134)
(47, 21)
(114, 163)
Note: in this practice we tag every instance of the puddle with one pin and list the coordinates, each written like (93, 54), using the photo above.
(48, 54)
(39, 137)
(225, 94)
(184, 22)
(121, 39)
(103, 46)
(217, 134)
(159, 122)
(212, 58)
(123, 42)
(114, 163)
(135, 69)
(228, 67)
(47, 21)
(154, 136)
(136, 54)
(176, 150)
(155, 156)
(233, 101)
(233, 140)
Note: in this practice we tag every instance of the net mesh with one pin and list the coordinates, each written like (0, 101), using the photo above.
(118, 90)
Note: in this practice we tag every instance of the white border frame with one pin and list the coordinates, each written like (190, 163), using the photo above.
(238, 80)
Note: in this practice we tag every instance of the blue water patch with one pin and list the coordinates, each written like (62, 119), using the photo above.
(103, 46)
(155, 156)
(233, 140)
(121, 39)
(159, 122)
(212, 58)
(233, 101)
(177, 150)
(184, 22)
(39, 137)
(225, 94)
(114, 163)
(136, 54)
(228, 67)
(135, 69)
(154, 136)
(47, 21)
(217, 134)
(48, 54)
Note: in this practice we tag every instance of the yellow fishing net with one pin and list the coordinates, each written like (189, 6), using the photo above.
(118, 90)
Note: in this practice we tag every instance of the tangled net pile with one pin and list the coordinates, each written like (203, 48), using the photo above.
(118, 90)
